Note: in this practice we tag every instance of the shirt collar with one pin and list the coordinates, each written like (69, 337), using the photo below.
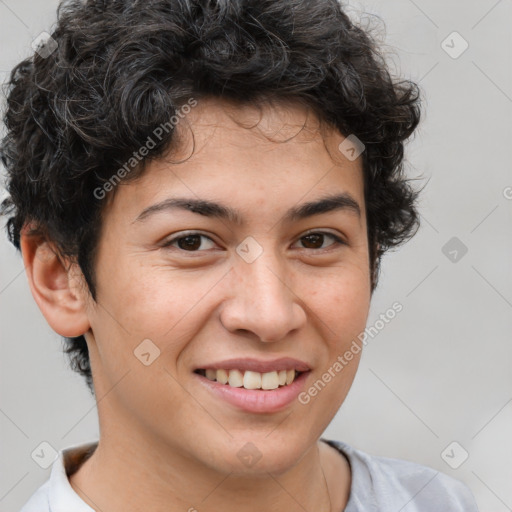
(62, 497)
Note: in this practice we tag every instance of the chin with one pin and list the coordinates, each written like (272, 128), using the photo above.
(260, 454)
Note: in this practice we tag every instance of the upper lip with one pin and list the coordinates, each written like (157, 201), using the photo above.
(258, 365)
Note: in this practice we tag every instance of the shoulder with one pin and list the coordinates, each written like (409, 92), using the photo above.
(389, 483)
(39, 501)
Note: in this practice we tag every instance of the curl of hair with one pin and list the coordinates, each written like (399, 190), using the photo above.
(123, 67)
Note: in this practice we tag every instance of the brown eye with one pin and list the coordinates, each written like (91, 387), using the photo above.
(191, 242)
(317, 239)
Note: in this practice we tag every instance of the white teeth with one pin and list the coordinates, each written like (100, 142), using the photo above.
(269, 380)
(222, 376)
(236, 378)
(252, 380)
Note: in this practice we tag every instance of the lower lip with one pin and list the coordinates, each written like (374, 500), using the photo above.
(257, 400)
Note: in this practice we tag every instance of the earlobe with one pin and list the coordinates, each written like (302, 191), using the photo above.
(54, 286)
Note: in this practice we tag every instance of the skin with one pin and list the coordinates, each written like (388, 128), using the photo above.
(166, 443)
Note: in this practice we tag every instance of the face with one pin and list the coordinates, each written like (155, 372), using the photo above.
(257, 283)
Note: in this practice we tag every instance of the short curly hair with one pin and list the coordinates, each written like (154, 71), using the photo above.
(122, 67)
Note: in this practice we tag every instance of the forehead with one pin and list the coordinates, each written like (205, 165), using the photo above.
(266, 156)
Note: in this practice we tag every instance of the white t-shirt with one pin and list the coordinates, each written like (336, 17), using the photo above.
(379, 484)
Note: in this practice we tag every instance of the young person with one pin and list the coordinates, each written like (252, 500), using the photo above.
(202, 192)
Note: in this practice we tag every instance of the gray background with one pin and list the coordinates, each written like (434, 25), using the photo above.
(441, 370)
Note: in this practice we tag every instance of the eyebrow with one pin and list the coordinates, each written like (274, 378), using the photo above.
(329, 203)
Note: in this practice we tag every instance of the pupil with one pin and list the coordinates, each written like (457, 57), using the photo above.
(315, 238)
(187, 242)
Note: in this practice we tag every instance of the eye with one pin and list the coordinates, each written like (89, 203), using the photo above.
(316, 239)
(190, 242)
(193, 241)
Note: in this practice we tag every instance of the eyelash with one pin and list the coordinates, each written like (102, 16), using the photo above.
(338, 240)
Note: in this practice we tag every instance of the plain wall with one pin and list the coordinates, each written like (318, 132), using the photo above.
(441, 371)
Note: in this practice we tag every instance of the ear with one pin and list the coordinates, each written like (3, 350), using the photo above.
(56, 287)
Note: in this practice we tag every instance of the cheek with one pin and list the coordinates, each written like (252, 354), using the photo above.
(342, 302)
(152, 302)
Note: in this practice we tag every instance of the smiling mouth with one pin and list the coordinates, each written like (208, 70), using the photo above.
(251, 380)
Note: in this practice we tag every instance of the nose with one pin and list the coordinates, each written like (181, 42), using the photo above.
(263, 301)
